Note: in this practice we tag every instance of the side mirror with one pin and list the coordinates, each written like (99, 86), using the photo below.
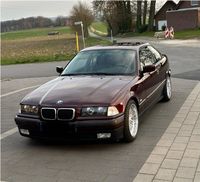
(149, 68)
(164, 55)
(59, 69)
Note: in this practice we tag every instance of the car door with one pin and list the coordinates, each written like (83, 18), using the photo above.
(162, 62)
(150, 81)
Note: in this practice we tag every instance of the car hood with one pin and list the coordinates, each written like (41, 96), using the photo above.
(78, 90)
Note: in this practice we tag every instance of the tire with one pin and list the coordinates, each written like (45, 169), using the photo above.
(131, 121)
(167, 92)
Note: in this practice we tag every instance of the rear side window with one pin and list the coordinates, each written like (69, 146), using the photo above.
(147, 57)
(155, 53)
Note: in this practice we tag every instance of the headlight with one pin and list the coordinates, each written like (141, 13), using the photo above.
(112, 111)
(28, 109)
(94, 111)
(99, 111)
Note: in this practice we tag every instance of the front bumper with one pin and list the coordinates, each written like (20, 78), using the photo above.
(81, 130)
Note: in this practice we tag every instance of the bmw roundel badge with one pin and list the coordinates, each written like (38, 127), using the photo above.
(59, 102)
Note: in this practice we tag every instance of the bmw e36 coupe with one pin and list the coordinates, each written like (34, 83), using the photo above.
(100, 94)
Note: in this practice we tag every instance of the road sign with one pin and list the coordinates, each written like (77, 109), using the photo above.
(78, 23)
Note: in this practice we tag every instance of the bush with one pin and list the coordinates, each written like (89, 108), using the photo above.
(142, 28)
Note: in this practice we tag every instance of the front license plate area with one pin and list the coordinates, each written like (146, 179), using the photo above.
(56, 129)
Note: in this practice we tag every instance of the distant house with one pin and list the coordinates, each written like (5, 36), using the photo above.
(184, 15)
(160, 17)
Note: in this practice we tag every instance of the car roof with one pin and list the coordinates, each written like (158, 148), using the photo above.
(119, 45)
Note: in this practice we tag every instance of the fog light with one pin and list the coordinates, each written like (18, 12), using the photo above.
(24, 131)
(103, 135)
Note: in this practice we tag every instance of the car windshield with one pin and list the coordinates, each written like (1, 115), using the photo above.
(102, 62)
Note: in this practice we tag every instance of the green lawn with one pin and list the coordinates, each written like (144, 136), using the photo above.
(188, 34)
(91, 41)
(33, 33)
(100, 26)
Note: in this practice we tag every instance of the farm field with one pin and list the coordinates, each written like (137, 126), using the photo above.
(36, 32)
(35, 45)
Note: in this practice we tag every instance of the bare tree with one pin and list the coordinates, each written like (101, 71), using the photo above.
(117, 14)
(144, 12)
(25, 23)
(151, 15)
(107, 10)
(82, 12)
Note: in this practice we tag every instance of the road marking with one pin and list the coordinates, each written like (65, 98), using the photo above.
(16, 91)
(8, 133)
(14, 130)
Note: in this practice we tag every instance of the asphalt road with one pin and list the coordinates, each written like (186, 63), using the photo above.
(24, 160)
(30, 70)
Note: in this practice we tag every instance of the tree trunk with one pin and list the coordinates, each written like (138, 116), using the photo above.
(129, 16)
(145, 12)
(151, 15)
(139, 14)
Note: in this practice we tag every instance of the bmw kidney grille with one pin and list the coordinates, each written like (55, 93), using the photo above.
(57, 114)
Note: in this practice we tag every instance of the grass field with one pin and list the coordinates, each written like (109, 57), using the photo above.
(100, 26)
(188, 34)
(36, 46)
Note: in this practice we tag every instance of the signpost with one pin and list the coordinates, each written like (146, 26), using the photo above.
(77, 42)
(82, 30)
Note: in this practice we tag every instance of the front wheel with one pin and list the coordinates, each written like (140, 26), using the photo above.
(167, 92)
(131, 121)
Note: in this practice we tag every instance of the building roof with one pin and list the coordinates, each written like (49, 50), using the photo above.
(166, 3)
(181, 2)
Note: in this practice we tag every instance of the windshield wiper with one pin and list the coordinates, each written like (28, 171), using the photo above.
(74, 74)
(98, 73)
(102, 73)
(115, 74)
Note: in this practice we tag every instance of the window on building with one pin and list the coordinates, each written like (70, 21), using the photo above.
(194, 2)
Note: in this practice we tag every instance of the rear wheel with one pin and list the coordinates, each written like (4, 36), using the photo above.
(167, 92)
(131, 121)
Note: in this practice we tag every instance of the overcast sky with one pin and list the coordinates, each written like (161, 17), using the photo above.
(48, 8)
(15, 9)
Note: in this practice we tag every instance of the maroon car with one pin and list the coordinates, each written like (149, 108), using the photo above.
(98, 95)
